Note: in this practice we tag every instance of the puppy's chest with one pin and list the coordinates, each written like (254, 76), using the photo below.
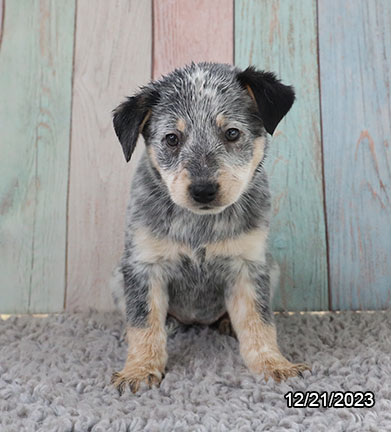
(248, 246)
(196, 288)
(198, 277)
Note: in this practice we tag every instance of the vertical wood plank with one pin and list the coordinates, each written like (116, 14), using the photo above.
(191, 30)
(355, 59)
(113, 57)
(2, 6)
(36, 50)
(281, 36)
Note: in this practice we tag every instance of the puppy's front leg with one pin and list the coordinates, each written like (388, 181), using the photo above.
(146, 310)
(248, 305)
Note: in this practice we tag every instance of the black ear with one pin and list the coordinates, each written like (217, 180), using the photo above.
(273, 98)
(130, 117)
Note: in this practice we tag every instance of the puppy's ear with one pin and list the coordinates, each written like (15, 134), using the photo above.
(130, 117)
(273, 98)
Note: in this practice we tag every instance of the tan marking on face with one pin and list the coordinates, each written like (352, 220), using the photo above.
(178, 184)
(259, 152)
(151, 249)
(251, 93)
(258, 340)
(250, 246)
(152, 158)
(146, 118)
(233, 180)
(181, 124)
(147, 355)
(220, 120)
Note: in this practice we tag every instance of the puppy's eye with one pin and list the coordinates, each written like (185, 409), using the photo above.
(232, 134)
(172, 140)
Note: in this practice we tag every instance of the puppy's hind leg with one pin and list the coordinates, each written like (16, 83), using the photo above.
(274, 274)
(172, 326)
(117, 290)
(224, 326)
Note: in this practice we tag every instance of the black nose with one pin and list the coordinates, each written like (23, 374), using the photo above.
(203, 192)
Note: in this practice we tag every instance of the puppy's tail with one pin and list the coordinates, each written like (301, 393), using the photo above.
(117, 290)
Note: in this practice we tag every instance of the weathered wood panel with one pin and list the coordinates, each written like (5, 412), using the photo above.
(191, 30)
(36, 50)
(113, 57)
(355, 59)
(281, 36)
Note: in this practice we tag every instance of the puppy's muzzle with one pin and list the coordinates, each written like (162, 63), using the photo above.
(203, 192)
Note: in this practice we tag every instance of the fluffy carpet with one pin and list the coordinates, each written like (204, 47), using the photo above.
(55, 376)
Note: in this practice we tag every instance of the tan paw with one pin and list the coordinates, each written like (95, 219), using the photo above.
(282, 370)
(277, 367)
(133, 377)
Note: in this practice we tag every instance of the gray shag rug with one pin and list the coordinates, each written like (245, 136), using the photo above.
(55, 376)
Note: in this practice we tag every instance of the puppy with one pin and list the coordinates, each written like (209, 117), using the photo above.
(198, 216)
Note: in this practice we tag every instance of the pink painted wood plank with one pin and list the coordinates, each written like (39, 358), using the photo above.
(191, 30)
(113, 58)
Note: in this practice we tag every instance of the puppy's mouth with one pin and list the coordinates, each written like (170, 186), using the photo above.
(207, 209)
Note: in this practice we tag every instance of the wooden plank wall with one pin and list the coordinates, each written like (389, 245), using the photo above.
(281, 36)
(191, 30)
(355, 60)
(64, 182)
(113, 57)
(36, 49)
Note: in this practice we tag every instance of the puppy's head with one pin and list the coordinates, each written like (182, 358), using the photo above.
(205, 130)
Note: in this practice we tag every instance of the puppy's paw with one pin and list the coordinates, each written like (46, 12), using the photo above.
(279, 368)
(282, 371)
(134, 376)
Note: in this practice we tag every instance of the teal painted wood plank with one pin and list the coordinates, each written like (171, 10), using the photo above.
(355, 59)
(35, 91)
(281, 36)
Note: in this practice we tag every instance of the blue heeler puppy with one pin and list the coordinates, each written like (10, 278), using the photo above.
(198, 217)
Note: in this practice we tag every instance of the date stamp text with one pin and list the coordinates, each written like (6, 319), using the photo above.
(334, 399)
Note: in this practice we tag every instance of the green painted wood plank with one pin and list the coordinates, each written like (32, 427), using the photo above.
(355, 59)
(281, 36)
(35, 91)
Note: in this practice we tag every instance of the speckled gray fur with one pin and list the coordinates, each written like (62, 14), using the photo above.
(197, 93)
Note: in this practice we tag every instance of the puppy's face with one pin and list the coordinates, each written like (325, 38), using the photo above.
(205, 130)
